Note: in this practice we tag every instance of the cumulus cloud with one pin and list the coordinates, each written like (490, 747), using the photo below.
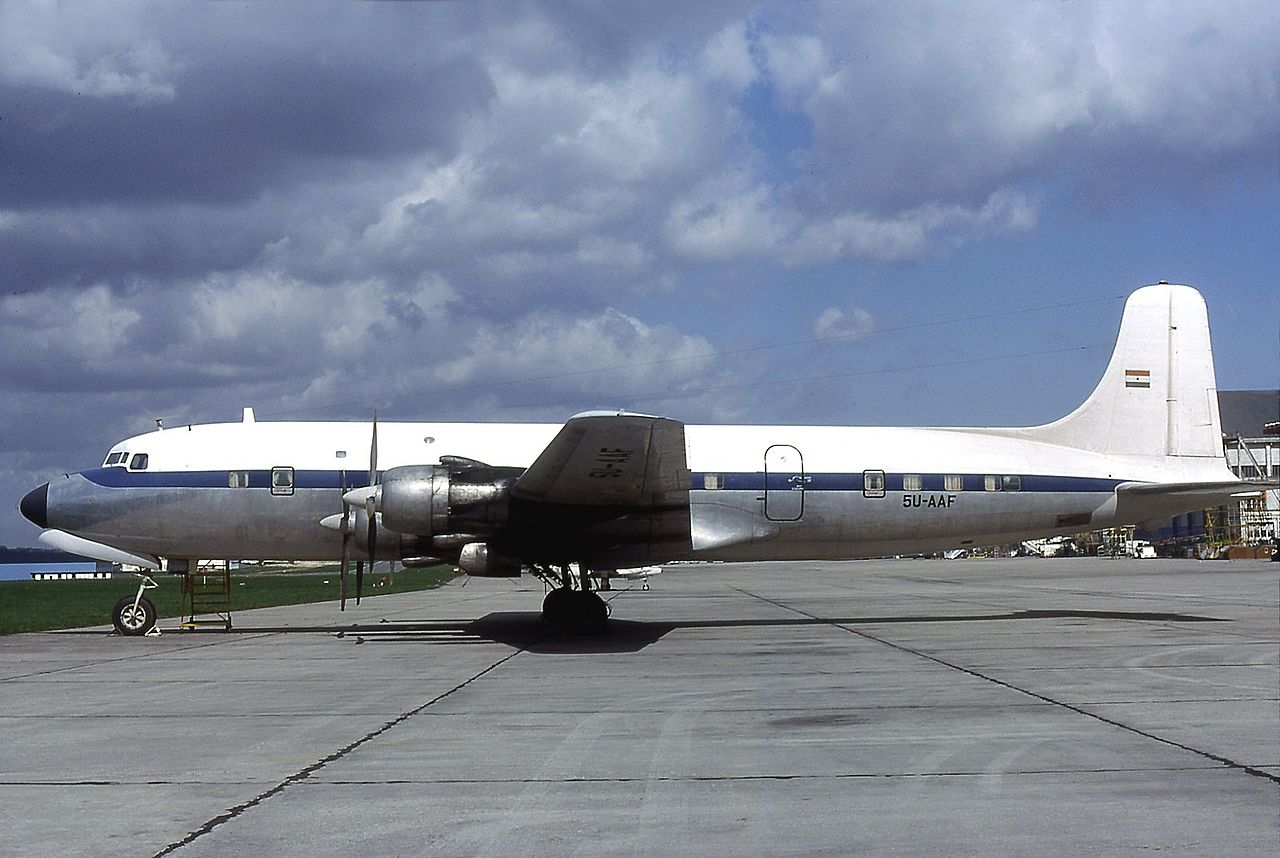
(85, 327)
(944, 103)
(854, 323)
(727, 217)
(94, 51)
(723, 219)
(610, 356)
(727, 57)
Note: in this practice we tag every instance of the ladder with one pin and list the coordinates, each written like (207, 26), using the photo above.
(206, 595)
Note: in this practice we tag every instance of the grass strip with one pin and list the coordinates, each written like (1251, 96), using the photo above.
(39, 606)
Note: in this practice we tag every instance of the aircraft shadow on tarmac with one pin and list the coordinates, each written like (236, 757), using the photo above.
(526, 630)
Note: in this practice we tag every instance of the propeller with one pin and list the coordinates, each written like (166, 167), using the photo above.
(344, 527)
(366, 496)
(371, 512)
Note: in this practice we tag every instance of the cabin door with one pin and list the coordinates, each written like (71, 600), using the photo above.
(783, 483)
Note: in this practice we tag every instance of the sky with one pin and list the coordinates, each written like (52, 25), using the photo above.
(919, 213)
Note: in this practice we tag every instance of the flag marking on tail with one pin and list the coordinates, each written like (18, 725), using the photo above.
(1137, 378)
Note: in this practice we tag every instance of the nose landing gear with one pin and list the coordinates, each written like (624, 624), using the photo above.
(134, 616)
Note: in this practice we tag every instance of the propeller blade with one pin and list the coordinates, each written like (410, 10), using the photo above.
(344, 527)
(370, 509)
(346, 561)
(373, 452)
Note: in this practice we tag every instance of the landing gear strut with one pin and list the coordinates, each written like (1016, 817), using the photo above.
(135, 615)
(573, 611)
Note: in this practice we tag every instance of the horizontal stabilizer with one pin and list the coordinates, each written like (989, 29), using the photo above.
(1151, 502)
(1221, 491)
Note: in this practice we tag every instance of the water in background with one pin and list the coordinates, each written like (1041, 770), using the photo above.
(22, 571)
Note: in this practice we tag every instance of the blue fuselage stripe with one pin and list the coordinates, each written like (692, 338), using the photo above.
(117, 477)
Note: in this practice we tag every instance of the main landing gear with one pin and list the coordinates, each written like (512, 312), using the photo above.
(573, 611)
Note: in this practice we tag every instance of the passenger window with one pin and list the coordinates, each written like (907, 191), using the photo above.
(282, 481)
(139, 462)
(711, 482)
(873, 484)
(1013, 484)
(238, 480)
(953, 483)
(912, 483)
(991, 484)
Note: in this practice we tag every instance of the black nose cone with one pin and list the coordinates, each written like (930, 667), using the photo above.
(35, 506)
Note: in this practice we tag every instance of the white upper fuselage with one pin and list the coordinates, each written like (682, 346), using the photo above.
(710, 449)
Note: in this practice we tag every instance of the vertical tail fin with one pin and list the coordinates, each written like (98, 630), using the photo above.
(1158, 396)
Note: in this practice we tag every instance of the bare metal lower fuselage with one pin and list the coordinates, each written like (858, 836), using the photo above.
(217, 523)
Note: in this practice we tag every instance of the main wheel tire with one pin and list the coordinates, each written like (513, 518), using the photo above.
(134, 621)
(575, 612)
(557, 608)
(591, 612)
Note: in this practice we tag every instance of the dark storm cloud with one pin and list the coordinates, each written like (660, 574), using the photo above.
(230, 132)
(118, 243)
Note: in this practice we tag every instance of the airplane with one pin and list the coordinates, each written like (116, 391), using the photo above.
(605, 576)
(615, 490)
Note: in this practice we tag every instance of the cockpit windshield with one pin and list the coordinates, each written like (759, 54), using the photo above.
(124, 459)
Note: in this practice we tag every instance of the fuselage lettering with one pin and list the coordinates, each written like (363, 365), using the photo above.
(609, 462)
(932, 501)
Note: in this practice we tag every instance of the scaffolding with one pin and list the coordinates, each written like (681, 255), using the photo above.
(1257, 517)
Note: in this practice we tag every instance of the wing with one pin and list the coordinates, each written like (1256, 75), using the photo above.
(611, 490)
(610, 459)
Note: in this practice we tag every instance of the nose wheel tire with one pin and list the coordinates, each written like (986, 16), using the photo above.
(133, 620)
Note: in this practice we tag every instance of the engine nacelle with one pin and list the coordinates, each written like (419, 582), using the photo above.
(415, 499)
(478, 560)
(427, 500)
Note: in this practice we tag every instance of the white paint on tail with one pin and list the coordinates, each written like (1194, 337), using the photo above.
(1158, 396)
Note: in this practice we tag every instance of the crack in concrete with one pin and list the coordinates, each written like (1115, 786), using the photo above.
(303, 774)
(1244, 767)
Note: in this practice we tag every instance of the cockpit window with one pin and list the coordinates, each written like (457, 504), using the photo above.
(138, 462)
(114, 459)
